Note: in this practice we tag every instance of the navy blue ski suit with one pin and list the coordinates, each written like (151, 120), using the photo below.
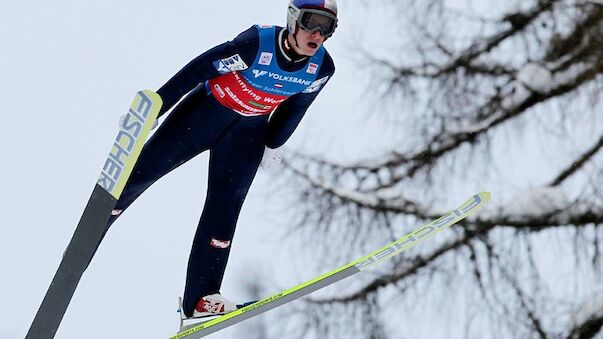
(234, 89)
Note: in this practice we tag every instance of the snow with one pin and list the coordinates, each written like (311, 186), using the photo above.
(536, 77)
(570, 74)
(533, 77)
(593, 307)
(353, 195)
(540, 79)
(483, 124)
(521, 94)
(390, 193)
(536, 202)
(391, 196)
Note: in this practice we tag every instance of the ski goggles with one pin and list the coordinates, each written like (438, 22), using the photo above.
(313, 20)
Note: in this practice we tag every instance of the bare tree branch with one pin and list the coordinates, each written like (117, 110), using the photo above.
(539, 66)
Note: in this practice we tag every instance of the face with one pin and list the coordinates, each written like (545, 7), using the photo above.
(309, 42)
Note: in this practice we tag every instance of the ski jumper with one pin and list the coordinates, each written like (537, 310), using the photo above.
(246, 95)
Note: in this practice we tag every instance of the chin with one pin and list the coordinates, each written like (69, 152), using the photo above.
(310, 51)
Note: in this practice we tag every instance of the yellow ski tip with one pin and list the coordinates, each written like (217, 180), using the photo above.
(485, 196)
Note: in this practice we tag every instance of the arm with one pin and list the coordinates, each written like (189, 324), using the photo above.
(285, 119)
(287, 116)
(202, 67)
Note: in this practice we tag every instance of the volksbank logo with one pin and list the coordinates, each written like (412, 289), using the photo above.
(421, 233)
(125, 143)
(258, 73)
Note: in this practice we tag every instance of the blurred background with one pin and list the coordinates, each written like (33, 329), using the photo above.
(431, 102)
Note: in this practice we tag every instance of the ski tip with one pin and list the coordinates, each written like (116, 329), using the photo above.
(485, 196)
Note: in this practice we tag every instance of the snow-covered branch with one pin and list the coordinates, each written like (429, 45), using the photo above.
(532, 74)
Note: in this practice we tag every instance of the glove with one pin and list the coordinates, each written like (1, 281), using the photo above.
(271, 157)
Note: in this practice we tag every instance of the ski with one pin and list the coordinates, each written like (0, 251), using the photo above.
(117, 168)
(469, 207)
(183, 317)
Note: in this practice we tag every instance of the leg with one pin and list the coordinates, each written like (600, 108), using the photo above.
(191, 128)
(234, 161)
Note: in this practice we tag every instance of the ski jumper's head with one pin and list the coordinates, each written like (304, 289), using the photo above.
(310, 23)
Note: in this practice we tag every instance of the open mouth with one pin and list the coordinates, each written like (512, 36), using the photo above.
(313, 45)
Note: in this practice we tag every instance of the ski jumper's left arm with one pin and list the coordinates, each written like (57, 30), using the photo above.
(201, 68)
(286, 117)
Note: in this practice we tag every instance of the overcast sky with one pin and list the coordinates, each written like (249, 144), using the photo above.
(68, 70)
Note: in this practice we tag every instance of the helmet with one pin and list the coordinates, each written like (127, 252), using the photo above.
(312, 15)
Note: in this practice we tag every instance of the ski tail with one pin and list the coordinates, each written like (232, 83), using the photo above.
(93, 223)
(469, 207)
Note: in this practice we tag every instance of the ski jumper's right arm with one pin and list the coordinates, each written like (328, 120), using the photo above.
(202, 69)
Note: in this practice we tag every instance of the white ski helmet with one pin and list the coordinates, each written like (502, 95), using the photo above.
(312, 15)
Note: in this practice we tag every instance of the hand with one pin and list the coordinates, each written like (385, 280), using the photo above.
(271, 157)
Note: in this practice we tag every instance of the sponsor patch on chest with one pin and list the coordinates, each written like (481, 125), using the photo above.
(312, 68)
(265, 58)
(231, 64)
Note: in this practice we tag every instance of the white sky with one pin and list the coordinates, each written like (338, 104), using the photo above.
(68, 70)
